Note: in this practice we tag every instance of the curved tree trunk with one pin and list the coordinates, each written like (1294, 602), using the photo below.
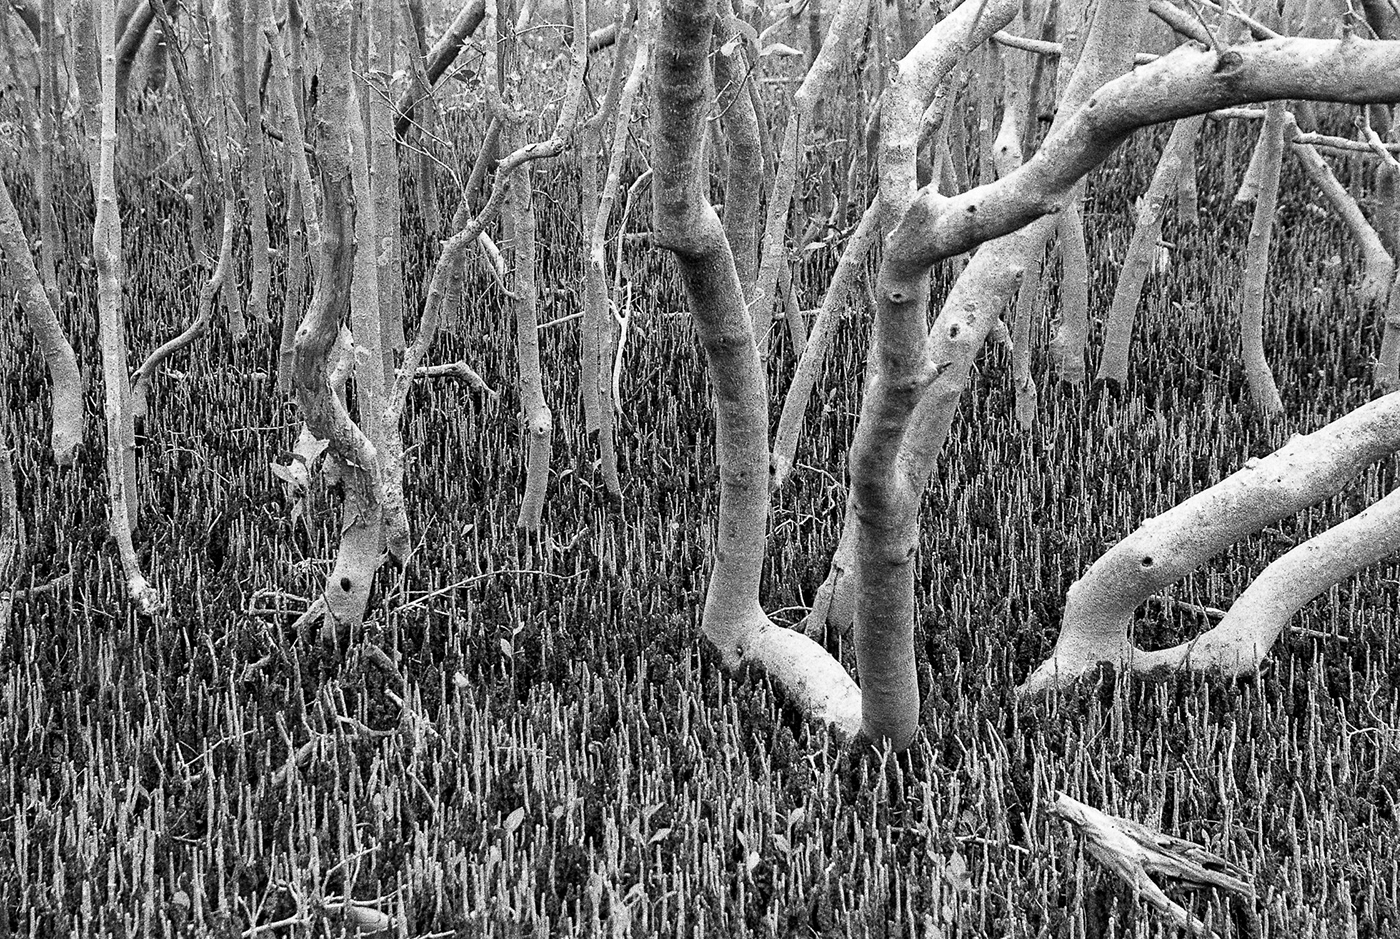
(1100, 605)
(685, 223)
(65, 381)
(347, 588)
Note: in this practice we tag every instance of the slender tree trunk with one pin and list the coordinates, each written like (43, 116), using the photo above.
(260, 264)
(425, 118)
(598, 327)
(106, 248)
(1262, 389)
(366, 317)
(1142, 250)
(384, 177)
(744, 172)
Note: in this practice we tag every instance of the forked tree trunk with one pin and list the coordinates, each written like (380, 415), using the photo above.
(907, 448)
(685, 223)
(347, 588)
(1100, 605)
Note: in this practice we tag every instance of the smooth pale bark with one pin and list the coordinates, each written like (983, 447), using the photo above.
(1238, 644)
(1263, 391)
(1183, 83)
(597, 328)
(1071, 331)
(1142, 249)
(342, 603)
(1379, 267)
(903, 423)
(65, 381)
(106, 249)
(686, 224)
(1099, 607)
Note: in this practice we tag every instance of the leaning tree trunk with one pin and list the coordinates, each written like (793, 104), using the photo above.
(1100, 605)
(1262, 388)
(65, 381)
(1142, 250)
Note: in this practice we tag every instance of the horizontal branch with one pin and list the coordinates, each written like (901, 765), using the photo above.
(1188, 81)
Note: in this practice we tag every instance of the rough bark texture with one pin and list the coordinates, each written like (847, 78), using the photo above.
(347, 588)
(1100, 605)
(384, 179)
